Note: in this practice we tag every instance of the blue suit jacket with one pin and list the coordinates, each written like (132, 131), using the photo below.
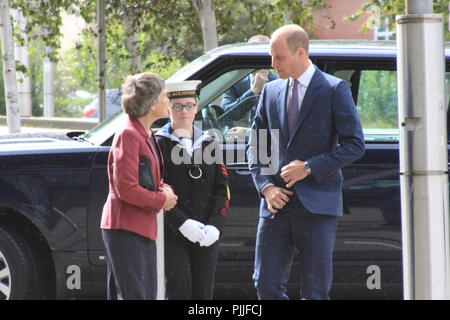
(328, 135)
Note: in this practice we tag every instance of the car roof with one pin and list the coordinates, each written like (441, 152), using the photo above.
(329, 48)
(258, 53)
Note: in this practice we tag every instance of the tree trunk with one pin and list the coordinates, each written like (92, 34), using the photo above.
(101, 60)
(208, 22)
(132, 43)
(24, 81)
(9, 69)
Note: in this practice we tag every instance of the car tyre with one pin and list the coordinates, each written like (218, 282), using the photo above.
(19, 275)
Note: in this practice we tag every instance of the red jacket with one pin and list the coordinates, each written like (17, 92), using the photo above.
(130, 206)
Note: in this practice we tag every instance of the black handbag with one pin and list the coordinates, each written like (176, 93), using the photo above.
(145, 174)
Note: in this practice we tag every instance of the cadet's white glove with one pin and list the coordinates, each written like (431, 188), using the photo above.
(211, 235)
(260, 79)
(193, 230)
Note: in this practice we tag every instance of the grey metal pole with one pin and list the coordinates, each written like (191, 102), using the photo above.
(49, 86)
(423, 153)
(101, 60)
(418, 6)
(160, 266)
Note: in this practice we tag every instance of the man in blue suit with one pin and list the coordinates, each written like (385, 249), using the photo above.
(246, 91)
(314, 116)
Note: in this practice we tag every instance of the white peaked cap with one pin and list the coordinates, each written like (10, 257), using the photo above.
(182, 89)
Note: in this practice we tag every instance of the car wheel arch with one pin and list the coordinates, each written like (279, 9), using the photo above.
(20, 232)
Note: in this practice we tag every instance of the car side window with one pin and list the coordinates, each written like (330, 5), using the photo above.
(227, 104)
(210, 101)
(377, 100)
(374, 90)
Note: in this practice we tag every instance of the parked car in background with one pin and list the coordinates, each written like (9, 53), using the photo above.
(52, 191)
(112, 100)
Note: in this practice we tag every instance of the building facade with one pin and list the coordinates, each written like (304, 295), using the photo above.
(340, 9)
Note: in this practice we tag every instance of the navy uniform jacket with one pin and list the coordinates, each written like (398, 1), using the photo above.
(205, 199)
(328, 135)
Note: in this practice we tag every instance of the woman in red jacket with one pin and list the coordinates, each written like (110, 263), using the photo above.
(136, 192)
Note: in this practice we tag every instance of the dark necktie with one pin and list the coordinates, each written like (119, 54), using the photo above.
(292, 111)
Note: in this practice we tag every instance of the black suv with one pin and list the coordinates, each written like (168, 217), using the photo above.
(52, 189)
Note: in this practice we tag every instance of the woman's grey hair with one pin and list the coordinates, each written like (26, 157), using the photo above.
(141, 92)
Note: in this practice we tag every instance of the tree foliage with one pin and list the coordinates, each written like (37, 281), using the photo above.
(43, 21)
(172, 26)
(239, 21)
(169, 31)
(381, 9)
(175, 30)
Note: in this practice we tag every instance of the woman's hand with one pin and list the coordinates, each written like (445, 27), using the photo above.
(171, 198)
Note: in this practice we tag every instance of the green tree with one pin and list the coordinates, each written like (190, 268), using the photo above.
(174, 29)
(77, 70)
(172, 26)
(36, 79)
(43, 20)
(169, 35)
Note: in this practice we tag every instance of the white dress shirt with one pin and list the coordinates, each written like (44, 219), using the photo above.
(303, 83)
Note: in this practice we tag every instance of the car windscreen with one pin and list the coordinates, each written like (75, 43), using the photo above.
(105, 130)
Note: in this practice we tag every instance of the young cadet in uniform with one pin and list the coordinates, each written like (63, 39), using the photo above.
(193, 226)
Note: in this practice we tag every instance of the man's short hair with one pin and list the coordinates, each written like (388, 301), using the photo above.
(296, 37)
(141, 92)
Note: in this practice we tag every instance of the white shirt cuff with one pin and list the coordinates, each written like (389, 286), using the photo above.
(263, 188)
